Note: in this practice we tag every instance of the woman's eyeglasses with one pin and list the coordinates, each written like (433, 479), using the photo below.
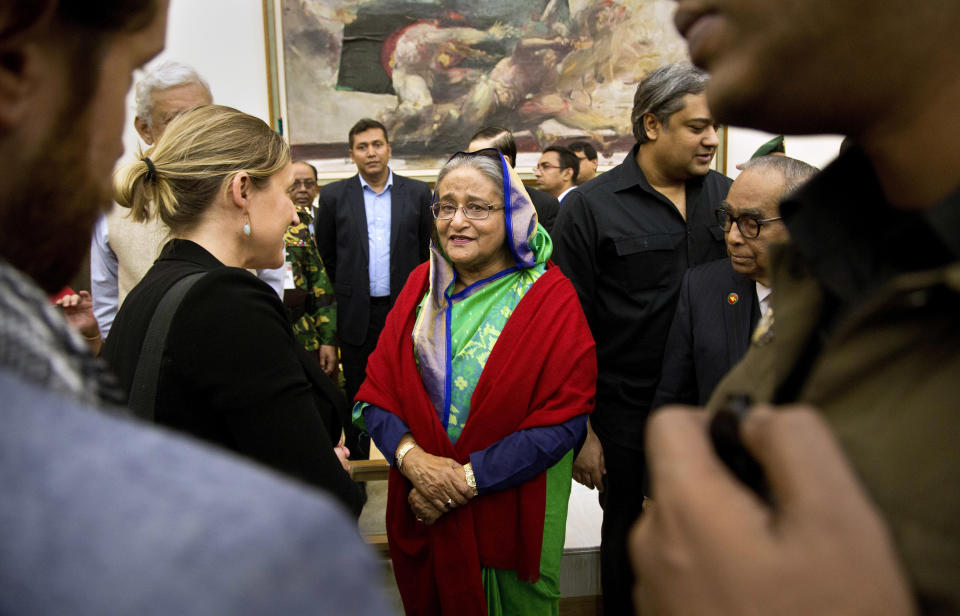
(473, 211)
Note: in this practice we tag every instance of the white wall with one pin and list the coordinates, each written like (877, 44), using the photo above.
(816, 150)
(224, 41)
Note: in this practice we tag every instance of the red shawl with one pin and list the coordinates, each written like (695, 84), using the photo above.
(541, 371)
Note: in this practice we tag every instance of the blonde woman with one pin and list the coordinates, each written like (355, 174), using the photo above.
(231, 371)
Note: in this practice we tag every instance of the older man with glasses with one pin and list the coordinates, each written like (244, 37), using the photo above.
(723, 301)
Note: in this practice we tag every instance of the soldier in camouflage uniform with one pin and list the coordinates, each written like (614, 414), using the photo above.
(308, 294)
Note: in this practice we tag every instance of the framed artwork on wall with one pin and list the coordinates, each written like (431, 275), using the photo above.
(435, 71)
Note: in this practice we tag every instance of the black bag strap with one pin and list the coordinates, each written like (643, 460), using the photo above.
(143, 394)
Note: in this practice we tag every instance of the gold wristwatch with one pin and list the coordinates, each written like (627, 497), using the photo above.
(468, 474)
(403, 450)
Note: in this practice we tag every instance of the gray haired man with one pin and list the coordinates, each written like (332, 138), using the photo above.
(624, 240)
(165, 92)
(122, 250)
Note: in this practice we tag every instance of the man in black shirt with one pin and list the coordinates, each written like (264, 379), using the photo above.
(625, 239)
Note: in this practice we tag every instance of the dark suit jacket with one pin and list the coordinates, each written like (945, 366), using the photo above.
(232, 372)
(341, 231)
(546, 205)
(709, 334)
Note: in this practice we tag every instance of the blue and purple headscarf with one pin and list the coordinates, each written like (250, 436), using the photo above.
(528, 243)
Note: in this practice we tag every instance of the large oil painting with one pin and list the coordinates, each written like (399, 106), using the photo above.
(435, 71)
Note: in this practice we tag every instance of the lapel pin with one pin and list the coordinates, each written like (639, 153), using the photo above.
(733, 298)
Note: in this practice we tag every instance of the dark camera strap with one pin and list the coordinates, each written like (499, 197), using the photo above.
(143, 394)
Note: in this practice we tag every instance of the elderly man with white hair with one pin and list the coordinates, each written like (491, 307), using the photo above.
(123, 250)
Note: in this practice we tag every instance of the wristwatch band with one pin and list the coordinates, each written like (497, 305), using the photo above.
(468, 474)
(403, 450)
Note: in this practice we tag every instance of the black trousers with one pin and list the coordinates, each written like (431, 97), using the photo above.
(622, 501)
(354, 360)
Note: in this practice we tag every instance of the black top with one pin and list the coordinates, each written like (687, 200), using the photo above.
(625, 247)
(716, 312)
(232, 371)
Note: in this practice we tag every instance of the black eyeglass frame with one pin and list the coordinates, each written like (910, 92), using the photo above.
(726, 221)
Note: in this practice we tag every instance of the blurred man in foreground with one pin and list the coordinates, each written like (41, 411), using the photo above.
(103, 515)
(861, 459)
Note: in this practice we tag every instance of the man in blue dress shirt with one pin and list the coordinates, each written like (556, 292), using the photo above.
(372, 229)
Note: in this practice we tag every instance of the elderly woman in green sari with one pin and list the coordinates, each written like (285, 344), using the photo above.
(478, 393)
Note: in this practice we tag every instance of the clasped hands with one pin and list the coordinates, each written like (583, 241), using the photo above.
(439, 485)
